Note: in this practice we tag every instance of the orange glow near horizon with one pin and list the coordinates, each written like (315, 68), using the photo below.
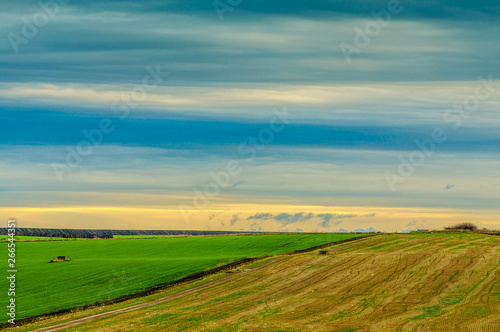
(242, 217)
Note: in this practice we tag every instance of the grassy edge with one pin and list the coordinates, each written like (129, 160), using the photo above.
(147, 294)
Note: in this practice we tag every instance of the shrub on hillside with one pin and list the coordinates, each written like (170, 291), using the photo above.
(466, 226)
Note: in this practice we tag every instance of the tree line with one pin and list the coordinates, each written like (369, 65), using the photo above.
(102, 234)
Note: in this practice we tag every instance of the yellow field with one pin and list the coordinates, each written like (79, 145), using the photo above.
(421, 282)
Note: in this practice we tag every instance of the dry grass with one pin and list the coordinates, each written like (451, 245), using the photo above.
(416, 282)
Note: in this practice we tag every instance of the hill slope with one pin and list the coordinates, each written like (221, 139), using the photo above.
(421, 282)
(100, 270)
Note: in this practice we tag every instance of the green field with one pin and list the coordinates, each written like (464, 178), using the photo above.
(145, 236)
(5, 238)
(389, 282)
(105, 269)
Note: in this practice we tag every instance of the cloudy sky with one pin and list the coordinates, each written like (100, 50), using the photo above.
(250, 115)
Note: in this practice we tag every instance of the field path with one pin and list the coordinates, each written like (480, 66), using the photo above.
(396, 282)
(91, 318)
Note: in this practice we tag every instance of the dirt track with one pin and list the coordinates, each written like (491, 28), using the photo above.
(435, 282)
(88, 319)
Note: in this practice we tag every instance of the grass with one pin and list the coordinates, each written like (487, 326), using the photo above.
(104, 269)
(369, 285)
(5, 238)
(431, 311)
(145, 236)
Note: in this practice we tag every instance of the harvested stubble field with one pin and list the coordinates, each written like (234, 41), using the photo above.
(101, 270)
(414, 282)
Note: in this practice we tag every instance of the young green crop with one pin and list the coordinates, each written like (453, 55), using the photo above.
(106, 269)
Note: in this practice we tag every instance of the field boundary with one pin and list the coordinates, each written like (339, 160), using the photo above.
(326, 245)
(163, 286)
(182, 293)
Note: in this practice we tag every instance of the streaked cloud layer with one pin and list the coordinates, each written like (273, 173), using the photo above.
(350, 122)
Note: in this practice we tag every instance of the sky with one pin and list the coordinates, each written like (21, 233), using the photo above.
(303, 116)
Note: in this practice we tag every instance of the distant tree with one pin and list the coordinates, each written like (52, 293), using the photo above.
(466, 226)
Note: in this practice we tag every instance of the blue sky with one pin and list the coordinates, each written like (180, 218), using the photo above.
(213, 86)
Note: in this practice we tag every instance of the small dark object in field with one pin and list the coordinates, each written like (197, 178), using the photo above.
(323, 252)
(60, 259)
